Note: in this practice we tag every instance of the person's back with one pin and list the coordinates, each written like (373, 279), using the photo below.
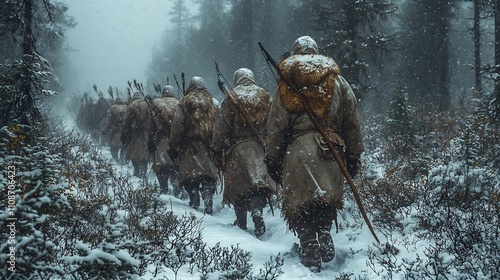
(117, 114)
(135, 131)
(161, 122)
(190, 140)
(312, 179)
(246, 181)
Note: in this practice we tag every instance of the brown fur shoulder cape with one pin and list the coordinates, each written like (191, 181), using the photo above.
(167, 107)
(315, 75)
(200, 113)
(254, 101)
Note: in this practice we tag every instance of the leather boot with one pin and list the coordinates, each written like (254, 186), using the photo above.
(259, 226)
(240, 211)
(311, 255)
(193, 193)
(163, 182)
(207, 195)
(326, 245)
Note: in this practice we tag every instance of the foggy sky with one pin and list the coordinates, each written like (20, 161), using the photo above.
(112, 41)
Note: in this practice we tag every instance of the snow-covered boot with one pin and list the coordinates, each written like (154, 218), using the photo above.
(207, 195)
(326, 245)
(259, 225)
(311, 255)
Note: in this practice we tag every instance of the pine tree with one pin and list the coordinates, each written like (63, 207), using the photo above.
(496, 8)
(349, 31)
(24, 79)
(242, 33)
(36, 198)
(400, 128)
(426, 42)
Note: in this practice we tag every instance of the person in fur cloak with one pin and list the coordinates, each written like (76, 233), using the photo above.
(117, 114)
(297, 155)
(247, 183)
(162, 116)
(190, 141)
(135, 130)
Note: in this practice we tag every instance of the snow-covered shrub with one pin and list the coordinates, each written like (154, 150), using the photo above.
(30, 182)
(225, 263)
(390, 198)
(109, 260)
(460, 211)
(444, 187)
(272, 269)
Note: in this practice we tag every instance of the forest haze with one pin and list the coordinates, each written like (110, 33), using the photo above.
(439, 51)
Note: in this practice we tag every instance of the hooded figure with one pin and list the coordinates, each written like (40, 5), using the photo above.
(167, 91)
(247, 183)
(297, 154)
(135, 130)
(190, 140)
(161, 122)
(117, 114)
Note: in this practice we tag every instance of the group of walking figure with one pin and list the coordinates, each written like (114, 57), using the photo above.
(254, 138)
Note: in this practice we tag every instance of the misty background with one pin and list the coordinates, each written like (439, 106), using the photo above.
(425, 48)
(112, 41)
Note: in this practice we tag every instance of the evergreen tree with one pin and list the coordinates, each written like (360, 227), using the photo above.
(496, 8)
(400, 128)
(34, 199)
(349, 31)
(426, 42)
(25, 75)
(477, 46)
(242, 34)
(177, 38)
(211, 40)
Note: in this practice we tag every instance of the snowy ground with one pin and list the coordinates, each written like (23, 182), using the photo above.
(353, 243)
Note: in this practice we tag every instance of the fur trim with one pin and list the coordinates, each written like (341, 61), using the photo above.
(255, 101)
(167, 107)
(118, 112)
(138, 110)
(315, 75)
(292, 217)
(200, 112)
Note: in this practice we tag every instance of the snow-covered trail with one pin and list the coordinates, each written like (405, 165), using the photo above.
(351, 244)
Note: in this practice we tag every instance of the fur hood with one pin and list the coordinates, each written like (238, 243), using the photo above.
(315, 75)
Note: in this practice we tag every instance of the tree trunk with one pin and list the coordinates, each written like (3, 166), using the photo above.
(497, 54)
(352, 71)
(443, 66)
(250, 43)
(26, 103)
(477, 48)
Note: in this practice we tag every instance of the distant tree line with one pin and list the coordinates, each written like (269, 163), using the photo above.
(431, 47)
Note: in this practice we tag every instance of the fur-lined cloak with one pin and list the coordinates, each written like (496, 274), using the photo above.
(308, 178)
(161, 124)
(191, 135)
(246, 173)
